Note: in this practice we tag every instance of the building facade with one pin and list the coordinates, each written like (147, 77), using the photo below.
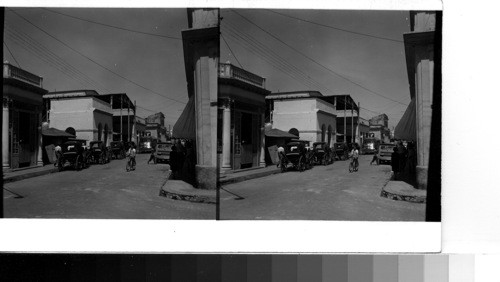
(242, 105)
(124, 113)
(82, 112)
(22, 118)
(305, 112)
(155, 126)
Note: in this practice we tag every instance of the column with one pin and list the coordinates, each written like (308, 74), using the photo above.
(262, 161)
(345, 120)
(5, 134)
(39, 159)
(129, 138)
(201, 54)
(423, 92)
(121, 118)
(226, 136)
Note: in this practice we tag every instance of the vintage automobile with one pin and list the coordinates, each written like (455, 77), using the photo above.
(340, 151)
(385, 152)
(322, 153)
(117, 150)
(294, 156)
(162, 152)
(370, 146)
(72, 156)
(99, 153)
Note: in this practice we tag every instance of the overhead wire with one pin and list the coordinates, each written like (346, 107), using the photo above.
(112, 26)
(234, 55)
(45, 54)
(14, 57)
(313, 60)
(93, 61)
(291, 69)
(337, 28)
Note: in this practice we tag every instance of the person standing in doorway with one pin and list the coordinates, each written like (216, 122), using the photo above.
(395, 163)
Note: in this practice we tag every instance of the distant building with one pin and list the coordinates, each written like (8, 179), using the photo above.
(379, 128)
(241, 113)
(83, 112)
(347, 112)
(21, 120)
(155, 126)
(308, 113)
(124, 113)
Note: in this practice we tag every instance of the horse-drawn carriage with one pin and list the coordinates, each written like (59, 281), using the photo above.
(99, 154)
(322, 153)
(294, 156)
(73, 155)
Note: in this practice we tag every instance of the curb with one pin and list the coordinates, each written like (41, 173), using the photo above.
(248, 177)
(190, 196)
(15, 178)
(401, 197)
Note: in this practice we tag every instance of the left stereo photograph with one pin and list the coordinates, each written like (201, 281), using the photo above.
(110, 113)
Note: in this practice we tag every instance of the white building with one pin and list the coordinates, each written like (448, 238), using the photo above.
(81, 111)
(309, 113)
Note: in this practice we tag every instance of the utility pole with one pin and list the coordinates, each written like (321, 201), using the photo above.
(135, 124)
(357, 128)
(129, 138)
(345, 120)
(352, 122)
(121, 117)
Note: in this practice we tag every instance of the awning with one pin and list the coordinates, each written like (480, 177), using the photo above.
(55, 132)
(406, 128)
(274, 132)
(185, 127)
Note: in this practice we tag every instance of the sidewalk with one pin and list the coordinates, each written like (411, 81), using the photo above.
(180, 190)
(251, 173)
(21, 174)
(402, 191)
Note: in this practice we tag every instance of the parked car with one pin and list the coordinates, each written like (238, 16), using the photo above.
(384, 152)
(162, 152)
(72, 156)
(99, 152)
(322, 153)
(370, 146)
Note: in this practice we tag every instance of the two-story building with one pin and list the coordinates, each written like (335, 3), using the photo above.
(308, 114)
(379, 128)
(242, 105)
(83, 113)
(21, 119)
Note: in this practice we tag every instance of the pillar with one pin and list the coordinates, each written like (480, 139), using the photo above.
(345, 120)
(226, 136)
(262, 156)
(39, 159)
(5, 134)
(201, 59)
(423, 91)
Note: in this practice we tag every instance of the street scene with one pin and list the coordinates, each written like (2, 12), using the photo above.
(103, 116)
(327, 115)
(100, 192)
(323, 193)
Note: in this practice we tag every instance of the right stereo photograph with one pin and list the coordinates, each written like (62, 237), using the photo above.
(329, 115)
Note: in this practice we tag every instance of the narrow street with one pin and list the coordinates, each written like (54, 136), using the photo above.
(101, 192)
(322, 193)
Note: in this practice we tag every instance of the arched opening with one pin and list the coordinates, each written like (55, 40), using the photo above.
(71, 131)
(294, 131)
(99, 132)
(106, 134)
(323, 131)
(329, 135)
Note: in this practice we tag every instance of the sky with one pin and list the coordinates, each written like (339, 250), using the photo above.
(150, 66)
(323, 58)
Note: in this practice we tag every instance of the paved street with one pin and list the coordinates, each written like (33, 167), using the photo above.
(322, 193)
(101, 191)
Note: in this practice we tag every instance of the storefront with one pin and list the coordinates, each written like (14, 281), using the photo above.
(22, 110)
(240, 139)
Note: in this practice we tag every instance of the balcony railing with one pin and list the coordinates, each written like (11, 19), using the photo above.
(10, 71)
(230, 71)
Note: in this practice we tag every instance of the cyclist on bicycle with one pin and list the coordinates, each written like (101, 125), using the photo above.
(131, 155)
(355, 155)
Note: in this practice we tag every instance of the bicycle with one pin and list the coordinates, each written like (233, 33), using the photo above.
(130, 164)
(353, 165)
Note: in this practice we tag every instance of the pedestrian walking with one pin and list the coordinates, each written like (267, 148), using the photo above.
(152, 156)
(375, 159)
(395, 163)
